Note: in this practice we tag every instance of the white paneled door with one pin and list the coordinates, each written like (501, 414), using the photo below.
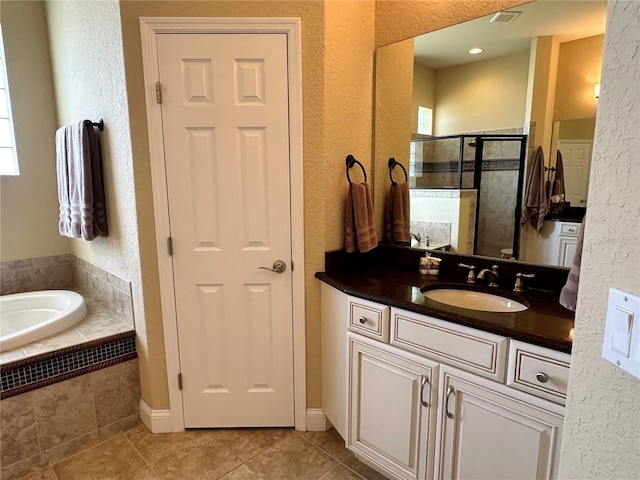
(576, 160)
(226, 139)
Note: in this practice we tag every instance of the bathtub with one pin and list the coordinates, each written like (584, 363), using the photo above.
(27, 317)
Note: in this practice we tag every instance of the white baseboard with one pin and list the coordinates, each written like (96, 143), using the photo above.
(317, 421)
(158, 421)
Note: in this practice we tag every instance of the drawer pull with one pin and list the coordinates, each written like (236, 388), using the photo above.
(542, 377)
(450, 391)
(424, 381)
(362, 320)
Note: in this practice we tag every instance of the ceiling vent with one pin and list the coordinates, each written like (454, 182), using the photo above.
(504, 17)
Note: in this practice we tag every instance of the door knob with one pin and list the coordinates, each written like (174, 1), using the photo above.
(278, 266)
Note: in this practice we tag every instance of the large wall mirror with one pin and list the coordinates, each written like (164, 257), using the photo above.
(466, 124)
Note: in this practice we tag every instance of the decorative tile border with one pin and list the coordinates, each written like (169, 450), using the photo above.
(468, 166)
(35, 372)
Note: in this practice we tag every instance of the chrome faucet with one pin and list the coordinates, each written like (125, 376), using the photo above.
(419, 238)
(493, 275)
(471, 278)
(519, 286)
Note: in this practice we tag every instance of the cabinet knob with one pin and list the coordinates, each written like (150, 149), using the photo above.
(362, 320)
(542, 377)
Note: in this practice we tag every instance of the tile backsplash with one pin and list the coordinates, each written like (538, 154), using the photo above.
(39, 273)
(104, 287)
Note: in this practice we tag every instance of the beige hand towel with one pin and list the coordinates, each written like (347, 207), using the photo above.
(536, 203)
(569, 293)
(397, 216)
(360, 230)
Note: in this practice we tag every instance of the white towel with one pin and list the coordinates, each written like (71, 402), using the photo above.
(80, 187)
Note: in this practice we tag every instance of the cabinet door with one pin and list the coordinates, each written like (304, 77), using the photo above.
(567, 251)
(487, 432)
(391, 401)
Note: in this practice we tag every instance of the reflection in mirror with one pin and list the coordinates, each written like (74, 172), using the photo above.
(535, 78)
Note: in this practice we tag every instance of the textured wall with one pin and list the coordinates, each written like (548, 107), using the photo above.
(347, 119)
(88, 72)
(29, 202)
(485, 95)
(401, 19)
(602, 425)
(579, 65)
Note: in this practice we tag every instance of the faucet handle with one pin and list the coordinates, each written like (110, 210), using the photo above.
(519, 286)
(471, 278)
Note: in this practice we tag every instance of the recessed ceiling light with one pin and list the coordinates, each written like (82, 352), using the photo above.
(476, 51)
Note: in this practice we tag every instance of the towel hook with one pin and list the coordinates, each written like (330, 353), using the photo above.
(392, 164)
(99, 124)
(351, 161)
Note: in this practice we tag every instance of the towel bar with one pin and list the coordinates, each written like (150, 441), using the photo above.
(99, 124)
(392, 164)
(351, 161)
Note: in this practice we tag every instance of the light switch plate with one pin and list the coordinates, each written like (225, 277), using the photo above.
(621, 344)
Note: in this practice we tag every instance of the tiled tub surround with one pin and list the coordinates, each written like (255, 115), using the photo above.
(98, 324)
(54, 272)
(71, 390)
(104, 287)
(68, 272)
(41, 427)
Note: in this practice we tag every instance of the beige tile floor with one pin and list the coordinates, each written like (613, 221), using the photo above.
(225, 454)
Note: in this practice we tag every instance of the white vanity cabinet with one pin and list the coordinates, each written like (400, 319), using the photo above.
(567, 242)
(424, 398)
(392, 409)
(555, 244)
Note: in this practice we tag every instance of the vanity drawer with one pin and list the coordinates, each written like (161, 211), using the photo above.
(469, 349)
(569, 229)
(539, 371)
(369, 318)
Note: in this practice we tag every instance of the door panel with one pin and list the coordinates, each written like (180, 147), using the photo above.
(576, 160)
(225, 119)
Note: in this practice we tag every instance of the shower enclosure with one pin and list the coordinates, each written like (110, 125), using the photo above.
(492, 165)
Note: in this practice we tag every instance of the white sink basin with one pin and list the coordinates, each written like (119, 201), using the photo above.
(472, 300)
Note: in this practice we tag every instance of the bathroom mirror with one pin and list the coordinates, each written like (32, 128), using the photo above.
(432, 86)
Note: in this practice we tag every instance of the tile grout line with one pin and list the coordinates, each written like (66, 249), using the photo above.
(340, 462)
(141, 456)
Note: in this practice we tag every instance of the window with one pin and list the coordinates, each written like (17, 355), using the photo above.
(425, 121)
(8, 158)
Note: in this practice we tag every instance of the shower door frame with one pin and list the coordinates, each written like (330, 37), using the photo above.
(480, 139)
(477, 181)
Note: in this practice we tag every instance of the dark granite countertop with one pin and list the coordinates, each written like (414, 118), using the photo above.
(545, 323)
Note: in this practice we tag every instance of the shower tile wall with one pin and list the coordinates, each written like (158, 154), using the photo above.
(39, 273)
(40, 427)
(496, 217)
